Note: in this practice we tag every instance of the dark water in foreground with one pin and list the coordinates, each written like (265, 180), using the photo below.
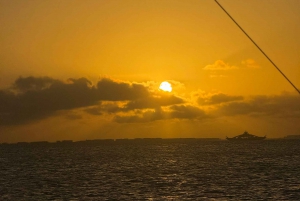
(196, 170)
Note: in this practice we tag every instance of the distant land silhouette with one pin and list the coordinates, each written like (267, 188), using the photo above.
(133, 140)
(114, 141)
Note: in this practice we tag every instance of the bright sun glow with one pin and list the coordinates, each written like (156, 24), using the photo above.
(165, 86)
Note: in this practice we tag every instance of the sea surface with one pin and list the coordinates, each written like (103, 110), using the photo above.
(151, 170)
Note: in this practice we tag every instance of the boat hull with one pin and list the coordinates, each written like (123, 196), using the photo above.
(246, 139)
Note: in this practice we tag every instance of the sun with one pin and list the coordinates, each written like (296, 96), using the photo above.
(165, 86)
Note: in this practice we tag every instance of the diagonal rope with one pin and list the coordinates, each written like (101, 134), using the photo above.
(258, 47)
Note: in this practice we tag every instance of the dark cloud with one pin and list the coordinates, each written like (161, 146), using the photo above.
(33, 83)
(41, 98)
(94, 110)
(147, 116)
(109, 107)
(174, 112)
(31, 99)
(237, 108)
(34, 98)
(73, 116)
(186, 112)
(284, 105)
(116, 91)
(153, 102)
(218, 98)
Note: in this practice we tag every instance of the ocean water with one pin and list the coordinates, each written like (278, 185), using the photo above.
(154, 170)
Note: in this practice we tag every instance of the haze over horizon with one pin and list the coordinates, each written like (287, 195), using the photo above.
(92, 69)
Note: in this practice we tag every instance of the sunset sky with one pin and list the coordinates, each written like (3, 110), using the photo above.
(77, 70)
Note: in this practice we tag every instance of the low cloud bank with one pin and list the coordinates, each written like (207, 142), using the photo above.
(34, 98)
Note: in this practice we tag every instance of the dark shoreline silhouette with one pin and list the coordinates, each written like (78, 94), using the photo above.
(134, 140)
(115, 141)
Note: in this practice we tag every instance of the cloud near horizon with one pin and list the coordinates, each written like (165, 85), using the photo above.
(173, 112)
(217, 99)
(32, 99)
(37, 98)
(282, 106)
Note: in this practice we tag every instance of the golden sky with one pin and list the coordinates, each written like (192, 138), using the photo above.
(91, 69)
